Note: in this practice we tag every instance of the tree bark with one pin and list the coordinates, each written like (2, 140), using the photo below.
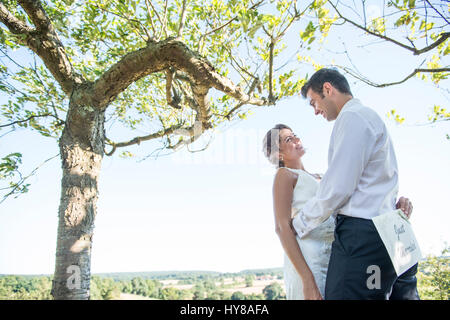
(81, 148)
(83, 138)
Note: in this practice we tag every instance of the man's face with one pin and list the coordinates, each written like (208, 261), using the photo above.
(323, 106)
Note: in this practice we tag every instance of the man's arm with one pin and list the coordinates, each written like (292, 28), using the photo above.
(353, 144)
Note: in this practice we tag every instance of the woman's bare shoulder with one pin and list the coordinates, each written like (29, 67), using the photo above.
(284, 176)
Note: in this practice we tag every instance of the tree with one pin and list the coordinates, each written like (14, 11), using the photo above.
(104, 289)
(146, 288)
(273, 291)
(249, 280)
(255, 296)
(209, 284)
(153, 287)
(214, 295)
(145, 65)
(170, 294)
(419, 27)
(434, 277)
(126, 287)
(198, 292)
(25, 288)
(224, 295)
(237, 295)
(136, 62)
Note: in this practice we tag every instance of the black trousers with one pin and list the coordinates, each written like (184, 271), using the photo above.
(360, 267)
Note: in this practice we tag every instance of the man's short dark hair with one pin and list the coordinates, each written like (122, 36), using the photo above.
(332, 76)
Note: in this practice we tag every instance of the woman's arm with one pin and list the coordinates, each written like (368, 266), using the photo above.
(282, 200)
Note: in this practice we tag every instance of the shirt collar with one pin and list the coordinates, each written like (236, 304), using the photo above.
(347, 105)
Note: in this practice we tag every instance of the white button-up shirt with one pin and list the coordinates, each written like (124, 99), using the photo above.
(362, 176)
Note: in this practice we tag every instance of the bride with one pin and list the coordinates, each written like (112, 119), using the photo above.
(306, 259)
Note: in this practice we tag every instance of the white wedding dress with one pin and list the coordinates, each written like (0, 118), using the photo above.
(315, 246)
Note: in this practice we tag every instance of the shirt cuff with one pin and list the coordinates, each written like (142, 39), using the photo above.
(300, 225)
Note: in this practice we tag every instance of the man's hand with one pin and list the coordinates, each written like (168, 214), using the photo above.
(405, 205)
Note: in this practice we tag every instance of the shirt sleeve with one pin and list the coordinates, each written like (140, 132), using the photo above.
(351, 146)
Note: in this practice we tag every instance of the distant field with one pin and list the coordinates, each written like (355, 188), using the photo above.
(129, 296)
(257, 288)
(110, 285)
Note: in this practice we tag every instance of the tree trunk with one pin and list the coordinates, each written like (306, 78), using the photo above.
(81, 148)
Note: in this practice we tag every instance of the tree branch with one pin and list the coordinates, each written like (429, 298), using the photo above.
(150, 17)
(149, 4)
(437, 11)
(164, 24)
(37, 14)
(297, 15)
(415, 51)
(383, 85)
(159, 134)
(22, 180)
(14, 25)
(271, 47)
(238, 65)
(44, 41)
(25, 120)
(444, 36)
(255, 83)
(131, 20)
(230, 21)
(194, 132)
(171, 101)
(156, 57)
(202, 101)
(182, 19)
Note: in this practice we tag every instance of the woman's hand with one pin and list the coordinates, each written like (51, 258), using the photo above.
(310, 290)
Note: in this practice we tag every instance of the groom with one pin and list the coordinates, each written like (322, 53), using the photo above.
(361, 182)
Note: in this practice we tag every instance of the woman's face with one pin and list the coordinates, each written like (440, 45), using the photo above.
(291, 147)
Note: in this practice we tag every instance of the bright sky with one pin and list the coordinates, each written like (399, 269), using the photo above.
(212, 210)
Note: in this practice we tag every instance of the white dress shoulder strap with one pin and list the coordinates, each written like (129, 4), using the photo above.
(290, 169)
